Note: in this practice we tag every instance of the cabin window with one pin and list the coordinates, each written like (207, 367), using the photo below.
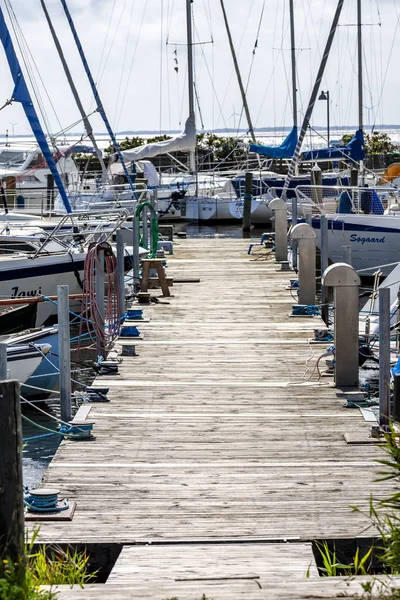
(12, 246)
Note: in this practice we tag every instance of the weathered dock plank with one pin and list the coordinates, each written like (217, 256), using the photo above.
(220, 428)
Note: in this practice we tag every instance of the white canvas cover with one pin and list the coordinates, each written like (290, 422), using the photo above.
(183, 142)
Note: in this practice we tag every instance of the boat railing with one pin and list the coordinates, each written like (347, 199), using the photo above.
(86, 228)
(317, 200)
(46, 203)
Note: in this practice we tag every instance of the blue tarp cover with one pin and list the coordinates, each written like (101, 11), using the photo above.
(353, 150)
(285, 150)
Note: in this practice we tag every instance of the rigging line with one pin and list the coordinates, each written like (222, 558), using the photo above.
(112, 43)
(19, 40)
(128, 79)
(128, 36)
(38, 72)
(233, 68)
(106, 40)
(161, 63)
(24, 49)
(390, 53)
(169, 24)
(252, 61)
(212, 83)
(198, 104)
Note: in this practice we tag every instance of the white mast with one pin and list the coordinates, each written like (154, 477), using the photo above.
(293, 56)
(360, 81)
(192, 116)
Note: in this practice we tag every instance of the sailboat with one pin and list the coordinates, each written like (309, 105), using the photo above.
(363, 219)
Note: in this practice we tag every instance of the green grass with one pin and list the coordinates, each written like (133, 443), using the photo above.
(21, 580)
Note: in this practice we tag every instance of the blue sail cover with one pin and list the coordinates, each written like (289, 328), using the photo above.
(353, 150)
(285, 150)
(21, 94)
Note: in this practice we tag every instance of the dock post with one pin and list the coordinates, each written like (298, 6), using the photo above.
(347, 254)
(345, 282)
(64, 352)
(135, 244)
(121, 270)
(306, 237)
(384, 356)
(99, 285)
(279, 208)
(248, 191)
(12, 537)
(3, 361)
(294, 242)
(324, 265)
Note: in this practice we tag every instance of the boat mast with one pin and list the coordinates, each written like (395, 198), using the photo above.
(86, 122)
(313, 98)
(96, 95)
(21, 94)
(238, 75)
(293, 56)
(192, 116)
(360, 79)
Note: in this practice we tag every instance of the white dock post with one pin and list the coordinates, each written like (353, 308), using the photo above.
(384, 356)
(306, 238)
(324, 265)
(3, 362)
(64, 352)
(294, 242)
(345, 282)
(121, 270)
(99, 285)
(278, 206)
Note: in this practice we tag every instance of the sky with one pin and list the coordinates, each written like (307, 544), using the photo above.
(131, 46)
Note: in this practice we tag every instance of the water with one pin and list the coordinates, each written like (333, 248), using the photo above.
(313, 139)
(37, 454)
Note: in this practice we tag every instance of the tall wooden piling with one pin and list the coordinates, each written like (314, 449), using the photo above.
(12, 536)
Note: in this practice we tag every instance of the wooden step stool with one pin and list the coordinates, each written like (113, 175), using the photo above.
(153, 263)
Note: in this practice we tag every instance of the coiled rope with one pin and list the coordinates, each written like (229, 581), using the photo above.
(103, 328)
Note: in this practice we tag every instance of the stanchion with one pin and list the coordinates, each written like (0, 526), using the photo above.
(64, 351)
(246, 224)
(384, 356)
(3, 361)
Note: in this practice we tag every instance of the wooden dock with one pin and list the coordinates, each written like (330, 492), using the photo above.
(219, 440)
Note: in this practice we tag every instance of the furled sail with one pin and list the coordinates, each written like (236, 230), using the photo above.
(21, 94)
(285, 150)
(353, 150)
(183, 142)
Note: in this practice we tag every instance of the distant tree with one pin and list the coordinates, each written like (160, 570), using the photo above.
(158, 138)
(374, 143)
(125, 144)
(378, 143)
(219, 147)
